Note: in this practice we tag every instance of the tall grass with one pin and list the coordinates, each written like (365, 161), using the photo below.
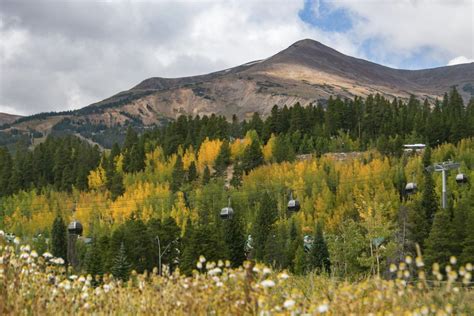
(38, 284)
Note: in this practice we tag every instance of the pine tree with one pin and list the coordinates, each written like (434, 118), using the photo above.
(439, 244)
(319, 255)
(236, 180)
(177, 176)
(429, 199)
(222, 159)
(121, 266)
(93, 260)
(117, 188)
(192, 172)
(252, 157)
(59, 238)
(206, 176)
(300, 262)
(266, 216)
(235, 240)
(283, 150)
(467, 255)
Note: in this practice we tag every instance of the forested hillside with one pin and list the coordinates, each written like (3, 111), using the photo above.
(165, 189)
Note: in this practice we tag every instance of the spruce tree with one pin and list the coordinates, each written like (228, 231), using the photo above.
(59, 238)
(236, 180)
(439, 244)
(206, 176)
(177, 176)
(300, 261)
(121, 266)
(266, 216)
(117, 188)
(223, 159)
(93, 259)
(319, 254)
(252, 157)
(235, 240)
(467, 255)
(192, 172)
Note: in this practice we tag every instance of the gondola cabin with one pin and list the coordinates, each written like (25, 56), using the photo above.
(75, 228)
(293, 205)
(410, 188)
(461, 178)
(227, 213)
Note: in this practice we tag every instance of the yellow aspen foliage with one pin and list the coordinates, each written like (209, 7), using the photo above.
(208, 153)
(237, 147)
(188, 157)
(97, 179)
(268, 149)
(180, 212)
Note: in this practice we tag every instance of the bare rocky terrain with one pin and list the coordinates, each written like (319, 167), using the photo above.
(306, 72)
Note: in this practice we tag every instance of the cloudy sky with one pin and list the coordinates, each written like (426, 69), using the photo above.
(60, 55)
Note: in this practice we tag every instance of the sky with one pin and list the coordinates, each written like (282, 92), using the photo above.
(61, 55)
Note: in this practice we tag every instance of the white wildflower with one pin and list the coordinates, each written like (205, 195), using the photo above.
(408, 259)
(268, 283)
(24, 255)
(84, 295)
(199, 265)
(283, 276)
(16, 241)
(289, 304)
(267, 270)
(82, 278)
(215, 271)
(393, 268)
(219, 284)
(453, 260)
(323, 308)
(47, 255)
(34, 254)
(202, 259)
(106, 288)
(73, 277)
(2, 233)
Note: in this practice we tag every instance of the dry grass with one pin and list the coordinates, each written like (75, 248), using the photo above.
(39, 285)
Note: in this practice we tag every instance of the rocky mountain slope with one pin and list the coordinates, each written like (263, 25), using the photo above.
(6, 118)
(305, 72)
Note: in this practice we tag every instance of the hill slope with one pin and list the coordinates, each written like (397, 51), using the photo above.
(6, 118)
(305, 72)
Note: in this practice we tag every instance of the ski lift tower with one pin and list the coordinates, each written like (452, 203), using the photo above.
(443, 167)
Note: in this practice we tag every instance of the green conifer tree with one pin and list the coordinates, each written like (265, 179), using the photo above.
(121, 266)
(266, 216)
(252, 157)
(439, 244)
(177, 176)
(192, 172)
(59, 238)
(206, 176)
(235, 240)
(319, 254)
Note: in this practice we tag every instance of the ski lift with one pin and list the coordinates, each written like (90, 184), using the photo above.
(461, 178)
(410, 188)
(75, 228)
(227, 212)
(293, 204)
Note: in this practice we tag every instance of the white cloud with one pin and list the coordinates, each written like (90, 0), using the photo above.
(460, 60)
(403, 28)
(63, 55)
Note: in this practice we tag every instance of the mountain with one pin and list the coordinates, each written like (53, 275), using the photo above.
(305, 72)
(6, 118)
